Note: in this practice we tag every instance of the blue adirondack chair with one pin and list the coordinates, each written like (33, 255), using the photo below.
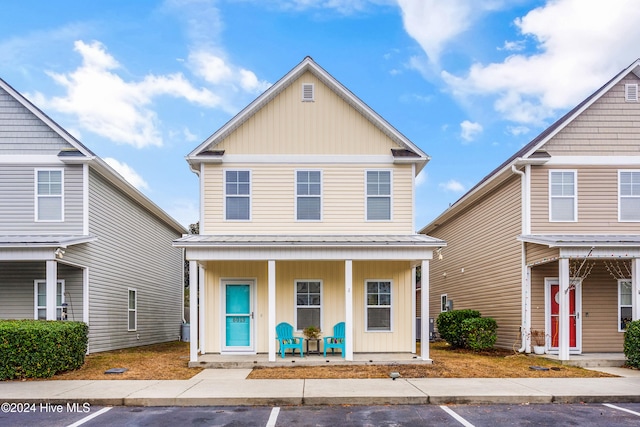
(284, 335)
(336, 341)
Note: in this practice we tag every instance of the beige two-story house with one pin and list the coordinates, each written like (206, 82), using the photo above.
(307, 217)
(550, 240)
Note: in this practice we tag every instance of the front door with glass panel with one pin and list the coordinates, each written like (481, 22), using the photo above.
(238, 316)
(553, 315)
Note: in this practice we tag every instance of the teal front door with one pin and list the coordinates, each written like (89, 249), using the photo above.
(238, 317)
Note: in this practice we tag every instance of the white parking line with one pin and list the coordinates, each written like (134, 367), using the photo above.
(456, 416)
(89, 417)
(273, 417)
(621, 409)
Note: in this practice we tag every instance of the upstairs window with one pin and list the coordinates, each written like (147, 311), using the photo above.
(378, 187)
(629, 196)
(238, 195)
(49, 195)
(308, 195)
(563, 206)
(308, 304)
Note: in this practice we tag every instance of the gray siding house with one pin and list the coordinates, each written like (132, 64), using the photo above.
(77, 241)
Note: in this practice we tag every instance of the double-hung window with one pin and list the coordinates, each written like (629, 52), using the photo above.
(629, 196)
(625, 304)
(308, 304)
(563, 203)
(132, 310)
(378, 187)
(49, 194)
(237, 195)
(41, 299)
(378, 305)
(308, 195)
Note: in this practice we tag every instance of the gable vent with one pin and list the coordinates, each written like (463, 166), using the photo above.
(631, 92)
(307, 92)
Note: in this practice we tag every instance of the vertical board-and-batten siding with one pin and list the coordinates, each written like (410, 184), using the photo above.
(328, 125)
(481, 265)
(133, 250)
(343, 201)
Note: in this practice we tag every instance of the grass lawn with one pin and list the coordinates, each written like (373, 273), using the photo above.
(169, 362)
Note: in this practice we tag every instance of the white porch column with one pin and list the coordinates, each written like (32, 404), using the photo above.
(635, 288)
(563, 311)
(424, 307)
(348, 303)
(201, 319)
(52, 288)
(193, 311)
(413, 310)
(85, 295)
(271, 273)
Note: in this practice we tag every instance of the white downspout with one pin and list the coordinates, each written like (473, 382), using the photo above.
(524, 211)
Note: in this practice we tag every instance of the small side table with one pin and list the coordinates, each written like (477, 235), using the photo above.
(317, 347)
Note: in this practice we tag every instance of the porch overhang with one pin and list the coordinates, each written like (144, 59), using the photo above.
(38, 248)
(591, 245)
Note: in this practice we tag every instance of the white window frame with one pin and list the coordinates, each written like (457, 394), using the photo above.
(631, 196)
(248, 196)
(295, 301)
(134, 310)
(37, 307)
(367, 196)
(318, 196)
(575, 195)
(38, 196)
(367, 306)
(443, 303)
(620, 305)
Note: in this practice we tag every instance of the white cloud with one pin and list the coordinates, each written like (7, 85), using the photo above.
(421, 178)
(574, 57)
(452, 185)
(346, 7)
(469, 130)
(105, 104)
(185, 211)
(127, 173)
(517, 130)
(513, 46)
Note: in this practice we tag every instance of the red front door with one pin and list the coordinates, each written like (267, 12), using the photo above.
(555, 310)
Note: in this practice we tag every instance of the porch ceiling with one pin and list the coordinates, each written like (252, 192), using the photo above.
(58, 241)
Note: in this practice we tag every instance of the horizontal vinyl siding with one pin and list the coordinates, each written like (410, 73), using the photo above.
(537, 254)
(333, 305)
(610, 127)
(286, 125)
(597, 203)
(482, 241)
(343, 201)
(17, 193)
(133, 250)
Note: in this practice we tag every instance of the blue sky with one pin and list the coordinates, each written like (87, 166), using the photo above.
(142, 83)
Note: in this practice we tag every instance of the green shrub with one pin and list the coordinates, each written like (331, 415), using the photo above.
(632, 344)
(39, 348)
(479, 333)
(449, 325)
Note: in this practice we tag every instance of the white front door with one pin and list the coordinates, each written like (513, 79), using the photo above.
(238, 320)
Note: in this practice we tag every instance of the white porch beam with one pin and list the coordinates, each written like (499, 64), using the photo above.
(202, 325)
(52, 287)
(635, 288)
(193, 311)
(563, 311)
(424, 307)
(348, 302)
(414, 289)
(271, 273)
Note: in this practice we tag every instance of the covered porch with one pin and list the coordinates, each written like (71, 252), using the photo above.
(581, 290)
(270, 264)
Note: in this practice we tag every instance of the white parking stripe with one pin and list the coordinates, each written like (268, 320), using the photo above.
(273, 417)
(622, 409)
(456, 416)
(89, 417)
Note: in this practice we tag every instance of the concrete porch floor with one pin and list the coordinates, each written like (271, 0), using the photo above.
(592, 360)
(249, 361)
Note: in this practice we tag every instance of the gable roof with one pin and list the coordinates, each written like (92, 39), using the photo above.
(78, 153)
(203, 151)
(529, 154)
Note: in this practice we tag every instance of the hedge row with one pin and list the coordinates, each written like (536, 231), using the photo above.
(467, 329)
(632, 344)
(39, 348)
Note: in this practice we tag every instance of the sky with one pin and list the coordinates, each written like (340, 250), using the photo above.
(142, 83)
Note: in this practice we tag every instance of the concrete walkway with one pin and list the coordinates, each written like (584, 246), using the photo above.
(230, 387)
